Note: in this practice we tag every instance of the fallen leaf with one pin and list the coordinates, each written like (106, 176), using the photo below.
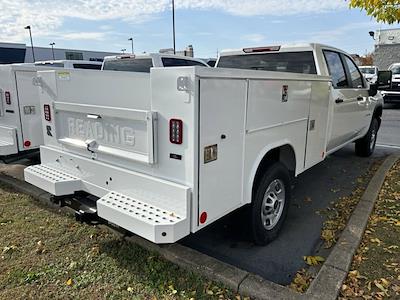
(313, 260)
(376, 240)
(69, 282)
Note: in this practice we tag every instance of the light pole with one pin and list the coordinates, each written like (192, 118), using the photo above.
(123, 51)
(30, 34)
(173, 24)
(52, 49)
(131, 39)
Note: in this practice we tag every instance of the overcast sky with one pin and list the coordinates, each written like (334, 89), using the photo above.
(209, 25)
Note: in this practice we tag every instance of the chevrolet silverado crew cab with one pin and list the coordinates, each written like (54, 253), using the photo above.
(166, 155)
(143, 63)
(20, 118)
(392, 94)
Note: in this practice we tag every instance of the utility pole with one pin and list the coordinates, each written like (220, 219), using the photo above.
(52, 49)
(131, 39)
(30, 34)
(173, 24)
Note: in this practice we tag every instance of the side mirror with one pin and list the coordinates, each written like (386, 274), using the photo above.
(373, 89)
(383, 82)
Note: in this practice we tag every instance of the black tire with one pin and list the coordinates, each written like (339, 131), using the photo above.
(366, 145)
(276, 173)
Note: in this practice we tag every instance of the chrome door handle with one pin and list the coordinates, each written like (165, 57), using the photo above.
(339, 100)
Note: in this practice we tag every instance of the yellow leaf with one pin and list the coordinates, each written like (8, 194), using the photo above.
(69, 282)
(385, 282)
(380, 286)
(313, 260)
(376, 240)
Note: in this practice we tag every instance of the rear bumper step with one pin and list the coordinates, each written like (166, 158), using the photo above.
(54, 181)
(153, 208)
(146, 220)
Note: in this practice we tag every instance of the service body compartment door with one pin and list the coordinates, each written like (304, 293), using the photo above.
(29, 109)
(317, 124)
(222, 123)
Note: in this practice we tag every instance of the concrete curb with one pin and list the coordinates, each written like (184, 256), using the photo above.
(330, 278)
(327, 283)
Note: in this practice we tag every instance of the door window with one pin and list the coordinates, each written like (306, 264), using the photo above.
(336, 69)
(355, 74)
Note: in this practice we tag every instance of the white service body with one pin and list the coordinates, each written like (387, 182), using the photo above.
(20, 117)
(109, 135)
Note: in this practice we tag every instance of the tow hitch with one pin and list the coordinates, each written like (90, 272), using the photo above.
(84, 206)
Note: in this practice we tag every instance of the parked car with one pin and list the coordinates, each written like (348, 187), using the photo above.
(392, 95)
(370, 73)
(143, 63)
(166, 155)
(20, 118)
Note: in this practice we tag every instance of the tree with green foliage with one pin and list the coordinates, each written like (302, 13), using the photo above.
(387, 11)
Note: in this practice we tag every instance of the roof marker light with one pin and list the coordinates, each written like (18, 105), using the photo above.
(261, 49)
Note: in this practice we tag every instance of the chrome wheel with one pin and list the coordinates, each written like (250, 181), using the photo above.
(273, 204)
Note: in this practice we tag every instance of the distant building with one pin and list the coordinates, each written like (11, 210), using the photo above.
(21, 53)
(387, 48)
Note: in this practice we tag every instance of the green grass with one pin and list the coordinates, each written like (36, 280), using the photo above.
(46, 254)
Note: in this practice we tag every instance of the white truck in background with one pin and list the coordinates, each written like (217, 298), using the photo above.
(370, 73)
(144, 62)
(20, 118)
(392, 94)
(165, 155)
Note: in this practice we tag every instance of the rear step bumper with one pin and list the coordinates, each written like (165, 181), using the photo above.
(155, 209)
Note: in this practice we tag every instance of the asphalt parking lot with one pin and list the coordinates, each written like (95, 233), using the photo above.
(279, 261)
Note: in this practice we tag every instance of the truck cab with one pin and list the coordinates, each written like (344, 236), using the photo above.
(351, 106)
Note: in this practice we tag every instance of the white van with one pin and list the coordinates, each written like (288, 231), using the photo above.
(20, 121)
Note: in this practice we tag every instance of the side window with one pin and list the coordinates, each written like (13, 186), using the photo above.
(355, 75)
(336, 69)
(174, 62)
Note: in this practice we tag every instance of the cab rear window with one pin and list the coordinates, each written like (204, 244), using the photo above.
(292, 62)
(142, 65)
(87, 66)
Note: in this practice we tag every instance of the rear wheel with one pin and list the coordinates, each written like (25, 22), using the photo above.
(270, 204)
(366, 146)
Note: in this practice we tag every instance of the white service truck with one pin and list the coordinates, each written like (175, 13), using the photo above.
(165, 155)
(20, 118)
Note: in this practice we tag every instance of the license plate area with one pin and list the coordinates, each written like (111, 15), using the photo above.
(124, 133)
